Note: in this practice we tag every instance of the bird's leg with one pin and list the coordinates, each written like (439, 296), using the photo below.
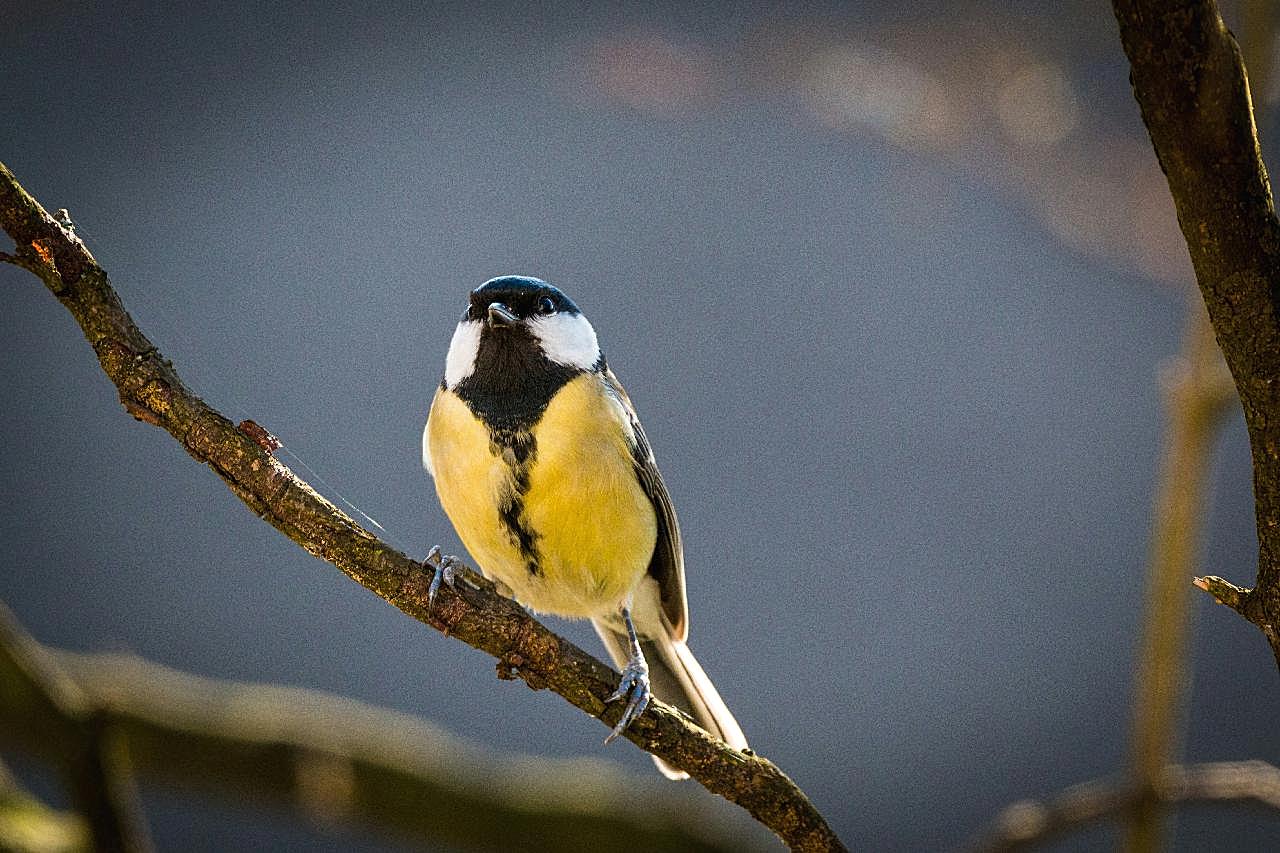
(445, 569)
(634, 686)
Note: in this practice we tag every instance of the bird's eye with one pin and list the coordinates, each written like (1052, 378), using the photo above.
(546, 306)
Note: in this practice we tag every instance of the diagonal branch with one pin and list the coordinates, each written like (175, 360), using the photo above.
(1190, 83)
(152, 391)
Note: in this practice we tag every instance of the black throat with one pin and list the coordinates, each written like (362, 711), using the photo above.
(513, 381)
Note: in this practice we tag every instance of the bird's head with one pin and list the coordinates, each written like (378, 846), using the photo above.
(515, 323)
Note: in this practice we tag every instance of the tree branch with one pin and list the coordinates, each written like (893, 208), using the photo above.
(338, 760)
(1223, 591)
(1024, 825)
(43, 703)
(29, 826)
(152, 391)
(1190, 84)
(1197, 394)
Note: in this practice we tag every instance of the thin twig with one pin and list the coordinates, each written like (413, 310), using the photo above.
(1027, 824)
(1198, 394)
(151, 390)
(1223, 591)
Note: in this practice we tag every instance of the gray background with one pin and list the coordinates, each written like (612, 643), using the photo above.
(901, 381)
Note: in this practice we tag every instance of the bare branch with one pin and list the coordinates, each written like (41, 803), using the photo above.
(43, 702)
(1026, 824)
(151, 390)
(338, 760)
(1189, 81)
(29, 826)
(1197, 394)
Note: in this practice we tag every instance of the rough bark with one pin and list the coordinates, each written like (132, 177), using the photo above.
(1189, 81)
(151, 390)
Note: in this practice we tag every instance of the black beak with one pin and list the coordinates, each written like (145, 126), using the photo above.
(501, 315)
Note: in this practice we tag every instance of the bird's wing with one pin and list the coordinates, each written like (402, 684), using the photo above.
(667, 564)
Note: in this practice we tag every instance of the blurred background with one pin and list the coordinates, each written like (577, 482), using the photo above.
(891, 286)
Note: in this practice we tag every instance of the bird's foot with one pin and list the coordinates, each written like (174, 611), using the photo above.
(634, 687)
(446, 569)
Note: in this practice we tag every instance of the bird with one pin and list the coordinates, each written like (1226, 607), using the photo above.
(546, 474)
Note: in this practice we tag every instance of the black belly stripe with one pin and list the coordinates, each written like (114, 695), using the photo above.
(518, 448)
(525, 539)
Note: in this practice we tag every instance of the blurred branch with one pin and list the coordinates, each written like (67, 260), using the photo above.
(29, 826)
(1197, 394)
(338, 760)
(1189, 81)
(152, 391)
(1024, 825)
(41, 702)
(1258, 20)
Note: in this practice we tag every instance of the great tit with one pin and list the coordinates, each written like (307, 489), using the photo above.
(544, 470)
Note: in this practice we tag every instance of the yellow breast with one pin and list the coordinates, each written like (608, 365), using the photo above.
(593, 527)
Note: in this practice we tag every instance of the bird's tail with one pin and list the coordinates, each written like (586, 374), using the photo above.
(677, 679)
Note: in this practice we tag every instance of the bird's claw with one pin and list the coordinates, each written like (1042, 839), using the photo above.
(445, 568)
(634, 687)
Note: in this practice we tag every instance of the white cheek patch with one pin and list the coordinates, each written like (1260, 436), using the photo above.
(567, 339)
(461, 360)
